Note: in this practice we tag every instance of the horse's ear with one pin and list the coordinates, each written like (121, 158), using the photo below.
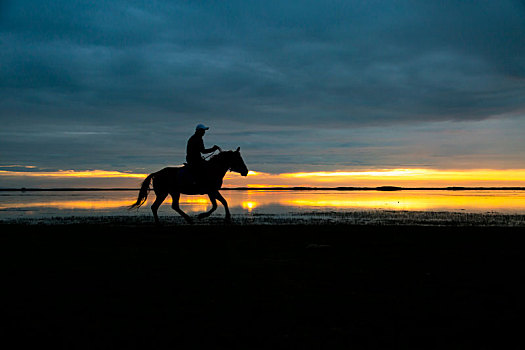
(238, 149)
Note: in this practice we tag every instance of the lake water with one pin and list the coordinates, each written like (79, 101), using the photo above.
(19, 205)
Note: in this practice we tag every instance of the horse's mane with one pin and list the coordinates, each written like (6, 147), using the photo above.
(219, 156)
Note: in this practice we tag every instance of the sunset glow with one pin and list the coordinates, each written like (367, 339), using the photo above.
(384, 173)
(387, 177)
(95, 101)
(362, 178)
(72, 173)
(249, 205)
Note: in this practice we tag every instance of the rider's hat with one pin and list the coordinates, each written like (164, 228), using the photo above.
(201, 126)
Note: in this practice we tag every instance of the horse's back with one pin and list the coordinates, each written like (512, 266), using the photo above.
(166, 178)
(169, 170)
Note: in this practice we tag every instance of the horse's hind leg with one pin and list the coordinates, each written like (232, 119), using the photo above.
(161, 196)
(213, 208)
(175, 205)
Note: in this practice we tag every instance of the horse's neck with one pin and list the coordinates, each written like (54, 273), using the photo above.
(221, 168)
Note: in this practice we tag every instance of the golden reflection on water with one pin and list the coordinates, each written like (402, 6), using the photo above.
(402, 202)
(398, 200)
(285, 201)
(249, 205)
(98, 204)
(70, 204)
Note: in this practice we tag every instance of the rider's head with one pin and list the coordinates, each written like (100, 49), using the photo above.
(201, 129)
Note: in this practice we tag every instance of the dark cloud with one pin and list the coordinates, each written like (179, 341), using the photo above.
(149, 71)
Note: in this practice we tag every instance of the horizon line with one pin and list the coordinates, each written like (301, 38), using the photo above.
(284, 188)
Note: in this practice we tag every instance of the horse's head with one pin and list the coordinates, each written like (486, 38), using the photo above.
(237, 163)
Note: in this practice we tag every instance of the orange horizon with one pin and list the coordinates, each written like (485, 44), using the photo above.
(402, 177)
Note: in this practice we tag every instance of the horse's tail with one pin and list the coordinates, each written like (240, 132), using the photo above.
(143, 192)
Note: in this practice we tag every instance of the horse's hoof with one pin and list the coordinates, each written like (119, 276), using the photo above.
(228, 220)
(202, 216)
(189, 221)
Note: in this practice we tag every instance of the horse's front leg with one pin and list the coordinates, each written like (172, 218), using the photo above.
(175, 205)
(213, 208)
(228, 217)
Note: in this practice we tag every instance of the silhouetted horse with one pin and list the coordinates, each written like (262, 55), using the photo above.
(177, 180)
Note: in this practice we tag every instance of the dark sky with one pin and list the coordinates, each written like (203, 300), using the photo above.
(299, 85)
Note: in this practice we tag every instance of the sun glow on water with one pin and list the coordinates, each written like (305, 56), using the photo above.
(267, 202)
(249, 205)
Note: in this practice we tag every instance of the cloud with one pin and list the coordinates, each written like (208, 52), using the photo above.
(314, 62)
(146, 72)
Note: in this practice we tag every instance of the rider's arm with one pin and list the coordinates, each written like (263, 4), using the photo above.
(209, 150)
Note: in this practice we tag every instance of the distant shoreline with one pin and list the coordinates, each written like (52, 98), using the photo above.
(380, 188)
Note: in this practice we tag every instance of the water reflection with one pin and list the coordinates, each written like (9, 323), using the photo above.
(68, 204)
(414, 200)
(268, 202)
(249, 205)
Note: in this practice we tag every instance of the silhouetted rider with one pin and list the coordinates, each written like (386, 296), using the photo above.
(195, 149)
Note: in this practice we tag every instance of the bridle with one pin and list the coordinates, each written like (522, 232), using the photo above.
(213, 153)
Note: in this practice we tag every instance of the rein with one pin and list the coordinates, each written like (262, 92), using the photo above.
(216, 154)
(211, 154)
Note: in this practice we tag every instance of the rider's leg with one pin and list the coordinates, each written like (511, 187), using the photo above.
(175, 205)
(199, 171)
(213, 208)
(195, 170)
(223, 201)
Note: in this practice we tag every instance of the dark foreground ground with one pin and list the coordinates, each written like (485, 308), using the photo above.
(302, 287)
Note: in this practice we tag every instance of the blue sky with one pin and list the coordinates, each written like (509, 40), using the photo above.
(299, 85)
